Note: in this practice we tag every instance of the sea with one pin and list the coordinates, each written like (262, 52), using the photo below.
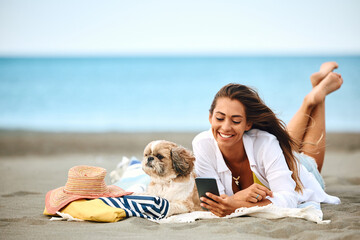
(160, 93)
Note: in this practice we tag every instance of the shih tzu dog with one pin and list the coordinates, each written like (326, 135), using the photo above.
(171, 169)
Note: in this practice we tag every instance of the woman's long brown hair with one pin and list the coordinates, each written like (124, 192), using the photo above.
(263, 118)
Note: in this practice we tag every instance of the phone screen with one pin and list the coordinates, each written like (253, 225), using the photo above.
(205, 185)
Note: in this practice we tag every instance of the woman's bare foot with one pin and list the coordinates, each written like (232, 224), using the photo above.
(325, 69)
(329, 84)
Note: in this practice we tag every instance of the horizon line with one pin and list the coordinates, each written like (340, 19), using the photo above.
(177, 55)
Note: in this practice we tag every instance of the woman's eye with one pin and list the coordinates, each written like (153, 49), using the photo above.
(159, 156)
(236, 122)
(219, 119)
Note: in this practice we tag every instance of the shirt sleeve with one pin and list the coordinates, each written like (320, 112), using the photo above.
(279, 177)
(205, 163)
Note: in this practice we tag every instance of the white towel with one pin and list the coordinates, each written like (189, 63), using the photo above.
(270, 211)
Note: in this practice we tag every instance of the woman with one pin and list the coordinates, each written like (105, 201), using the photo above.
(254, 157)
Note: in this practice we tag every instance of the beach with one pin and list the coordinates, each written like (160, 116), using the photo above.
(32, 163)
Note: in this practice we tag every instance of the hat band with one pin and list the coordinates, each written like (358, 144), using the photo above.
(85, 187)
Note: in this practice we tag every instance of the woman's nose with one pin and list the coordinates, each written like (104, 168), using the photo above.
(226, 125)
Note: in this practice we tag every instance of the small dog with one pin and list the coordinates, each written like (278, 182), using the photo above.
(171, 169)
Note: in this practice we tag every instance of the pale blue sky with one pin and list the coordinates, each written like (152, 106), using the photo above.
(117, 27)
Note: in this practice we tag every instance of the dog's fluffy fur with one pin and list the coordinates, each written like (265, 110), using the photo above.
(171, 168)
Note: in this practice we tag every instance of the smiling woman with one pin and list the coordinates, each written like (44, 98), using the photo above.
(229, 128)
(255, 158)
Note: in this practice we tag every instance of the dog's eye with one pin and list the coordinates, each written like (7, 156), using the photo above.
(159, 156)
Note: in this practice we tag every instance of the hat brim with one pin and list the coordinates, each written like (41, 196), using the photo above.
(57, 199)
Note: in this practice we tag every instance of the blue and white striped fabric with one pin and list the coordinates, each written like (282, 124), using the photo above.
(133, 178)
(149, 207)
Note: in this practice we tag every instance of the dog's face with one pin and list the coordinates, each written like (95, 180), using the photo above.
(166, 160)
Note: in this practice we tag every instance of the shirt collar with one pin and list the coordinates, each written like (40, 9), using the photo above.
(221, 165)
(249, 148)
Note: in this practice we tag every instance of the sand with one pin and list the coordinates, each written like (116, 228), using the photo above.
(32, 163)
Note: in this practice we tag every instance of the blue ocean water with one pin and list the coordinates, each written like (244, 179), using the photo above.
(160, 93)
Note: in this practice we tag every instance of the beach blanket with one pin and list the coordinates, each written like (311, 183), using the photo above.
(270, 211)
(155, 209)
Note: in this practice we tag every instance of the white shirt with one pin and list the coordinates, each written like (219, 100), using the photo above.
(267, 162)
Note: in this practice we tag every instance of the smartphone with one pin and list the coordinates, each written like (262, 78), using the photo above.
(205, 185)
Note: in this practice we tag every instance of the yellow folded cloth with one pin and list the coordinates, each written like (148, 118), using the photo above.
(92, 210)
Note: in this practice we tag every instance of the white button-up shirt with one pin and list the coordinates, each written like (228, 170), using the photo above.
(267, 162)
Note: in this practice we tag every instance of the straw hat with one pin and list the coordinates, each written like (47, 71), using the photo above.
(84, 182)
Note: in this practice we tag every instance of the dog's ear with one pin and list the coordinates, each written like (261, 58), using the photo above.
(183, 161)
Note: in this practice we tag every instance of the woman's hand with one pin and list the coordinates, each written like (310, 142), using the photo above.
(255, 193)
(220, 205)
(224, 205)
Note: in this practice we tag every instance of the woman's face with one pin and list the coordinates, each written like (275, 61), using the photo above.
(228, 122)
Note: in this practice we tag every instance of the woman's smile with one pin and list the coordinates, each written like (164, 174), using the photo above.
(223, 135)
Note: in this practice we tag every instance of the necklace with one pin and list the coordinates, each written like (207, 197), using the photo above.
(236, 180)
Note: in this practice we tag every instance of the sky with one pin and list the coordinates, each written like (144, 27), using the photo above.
(165, 27)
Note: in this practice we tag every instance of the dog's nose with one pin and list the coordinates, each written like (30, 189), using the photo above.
(150, 159)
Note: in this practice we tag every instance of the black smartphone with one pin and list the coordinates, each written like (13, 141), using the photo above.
(205, 185)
